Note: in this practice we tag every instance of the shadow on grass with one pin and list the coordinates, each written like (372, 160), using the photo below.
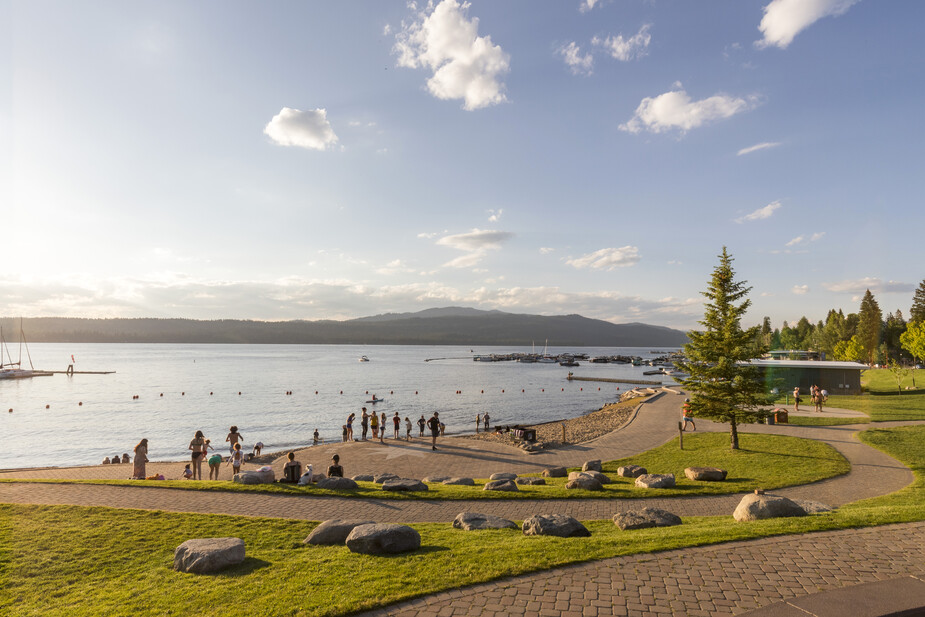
(249, 566)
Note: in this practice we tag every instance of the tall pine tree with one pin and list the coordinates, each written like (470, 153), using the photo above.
(870, 323)
(723, 386)
(917, 314)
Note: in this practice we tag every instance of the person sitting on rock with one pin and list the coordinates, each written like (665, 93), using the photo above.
(335, 470)
(291, 470)
(125, 458)
(106, 461)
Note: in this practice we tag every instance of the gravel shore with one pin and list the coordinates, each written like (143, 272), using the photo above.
(577, 430)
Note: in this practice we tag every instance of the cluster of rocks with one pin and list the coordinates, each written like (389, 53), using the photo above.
(366, 537)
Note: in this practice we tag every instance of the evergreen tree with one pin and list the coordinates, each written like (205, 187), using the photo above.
(893, 328)
(723, 386)
(917, 314)
(869, 325)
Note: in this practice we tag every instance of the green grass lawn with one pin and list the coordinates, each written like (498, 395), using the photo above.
(824, 421)
(763, 461)
(69, 560)
(882, 380)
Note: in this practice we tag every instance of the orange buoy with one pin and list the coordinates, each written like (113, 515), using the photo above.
(522, 390)
(415, 391)
(11, 410)
(502, 391)
(316, 391)
(483, 391)
(581, 389)
(162, 394)
(80, 404)
(341, 391)
(563, 389)
(210, 394)
(367, 392)
(183, 394)
(391, 391)
(239, 394)
(542, 389)
(47, 406)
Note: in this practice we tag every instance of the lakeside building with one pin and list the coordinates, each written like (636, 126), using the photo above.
(835, 377)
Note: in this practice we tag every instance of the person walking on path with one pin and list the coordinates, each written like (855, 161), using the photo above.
(374, 424)
(141, 457)
(434, 425)
(686, 415)
(364, 423)
(485, 419)
(335, 470)
(478, 421)
(407, 429)
(796, 399)
(198, 447)
(233, 437)
(421, 424)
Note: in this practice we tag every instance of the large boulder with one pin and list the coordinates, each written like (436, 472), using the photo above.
(644, 518)
(501, 485)
(204, 555)
(812, 507)
(471, 521)
(383, 539)
(598, 476)
(384, 477)
(631, 471)
(459, 482)
(255, 477)
(337, 484)
(558, 525)
(404, 484)
(586, 482)
(555, 472)
(435, 479)
(530, 481)
(591, 466)
(364, 477)
(705, 474)
(756, 507)
(655, 480)
(334, 531)
(503, 476)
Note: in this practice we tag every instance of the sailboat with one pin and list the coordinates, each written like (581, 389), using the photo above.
(546, 358)
(14, 370)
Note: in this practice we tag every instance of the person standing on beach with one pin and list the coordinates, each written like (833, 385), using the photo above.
(141, 457)
(374, 424)
(382, 427)
(236, 460)
(434, 425)
(478, 421)
(233, 437)
(364, 422)
(421, 424)
(407, 429)
(198, 447)
(485, 418)
(396, 421)
(350, 427)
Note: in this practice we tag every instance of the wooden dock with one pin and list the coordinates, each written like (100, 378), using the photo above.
(79, 372)
(641, 382)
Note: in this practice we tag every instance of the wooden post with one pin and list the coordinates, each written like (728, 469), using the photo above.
(681, 434)
(563, 433)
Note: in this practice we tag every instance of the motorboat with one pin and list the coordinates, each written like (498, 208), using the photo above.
(364, 359)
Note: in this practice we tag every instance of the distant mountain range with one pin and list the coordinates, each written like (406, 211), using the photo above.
(440, 326)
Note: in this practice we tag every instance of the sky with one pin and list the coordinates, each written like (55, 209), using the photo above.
(332, 160)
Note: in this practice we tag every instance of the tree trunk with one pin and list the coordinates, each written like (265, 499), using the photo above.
(733, 434)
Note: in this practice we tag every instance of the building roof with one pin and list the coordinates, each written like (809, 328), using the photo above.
(816, 364)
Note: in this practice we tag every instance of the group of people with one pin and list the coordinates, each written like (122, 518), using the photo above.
(200, 446)
(480, 420)
(816, 394)
(116, 459)
(377, 423)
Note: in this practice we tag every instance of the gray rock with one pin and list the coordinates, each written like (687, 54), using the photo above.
(644, 518)
(631, 471)
(204, 555)
(383, 539)
(756, 507)
(460, 482)
(255, 477)
(381, 478)
(364, 477)
(572, 475)
(555, 472)
(655, 480)
(554, 525)
(471, 521)
(501, 485)
(598, 476)
(586, 482)
(812, 507)
(705, 474)
(334, 531)
(337, 484)
(318, 477)
(435, 479)
(531, 448)
(503, 476)
(530, 481)
(591, 466)
(404, 484)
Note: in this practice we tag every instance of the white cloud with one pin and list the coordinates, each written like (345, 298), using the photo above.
(876, 285)
(396, 266)
(801, 239)
(626, 49)
(761, 213)
(784, 19)
(495, 215)
(428, 235)
(676, 110)
(795, 241)
(545, 250)
(762, 146)
(465, 66)
(607, 259)
(800, 290)
(305, 129)
(476, 243)
(578, 64)
(587, 5)
(387, 30)
(817, 236)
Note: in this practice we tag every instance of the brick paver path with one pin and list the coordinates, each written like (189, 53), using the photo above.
(715, 580)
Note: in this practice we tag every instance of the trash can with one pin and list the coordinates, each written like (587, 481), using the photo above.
(770, 418)
(781, 417)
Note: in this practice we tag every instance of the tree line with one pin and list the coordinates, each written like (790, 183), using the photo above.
(866, 336)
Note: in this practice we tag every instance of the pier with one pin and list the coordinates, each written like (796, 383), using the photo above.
(642, 382)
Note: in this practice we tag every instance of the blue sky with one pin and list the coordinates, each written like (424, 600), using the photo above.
(315, 160)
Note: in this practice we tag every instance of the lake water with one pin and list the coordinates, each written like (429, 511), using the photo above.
(201, 384)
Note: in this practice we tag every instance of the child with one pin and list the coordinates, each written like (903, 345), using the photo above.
(187, 472)
(236, 459)
(315, 438)
(215, 463)
(407, 429)
(345, 433)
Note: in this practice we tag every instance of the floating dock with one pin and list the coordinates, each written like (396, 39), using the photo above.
(643, 382)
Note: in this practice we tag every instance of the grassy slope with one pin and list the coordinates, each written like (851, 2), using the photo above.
(68, 560)
(763, 461)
